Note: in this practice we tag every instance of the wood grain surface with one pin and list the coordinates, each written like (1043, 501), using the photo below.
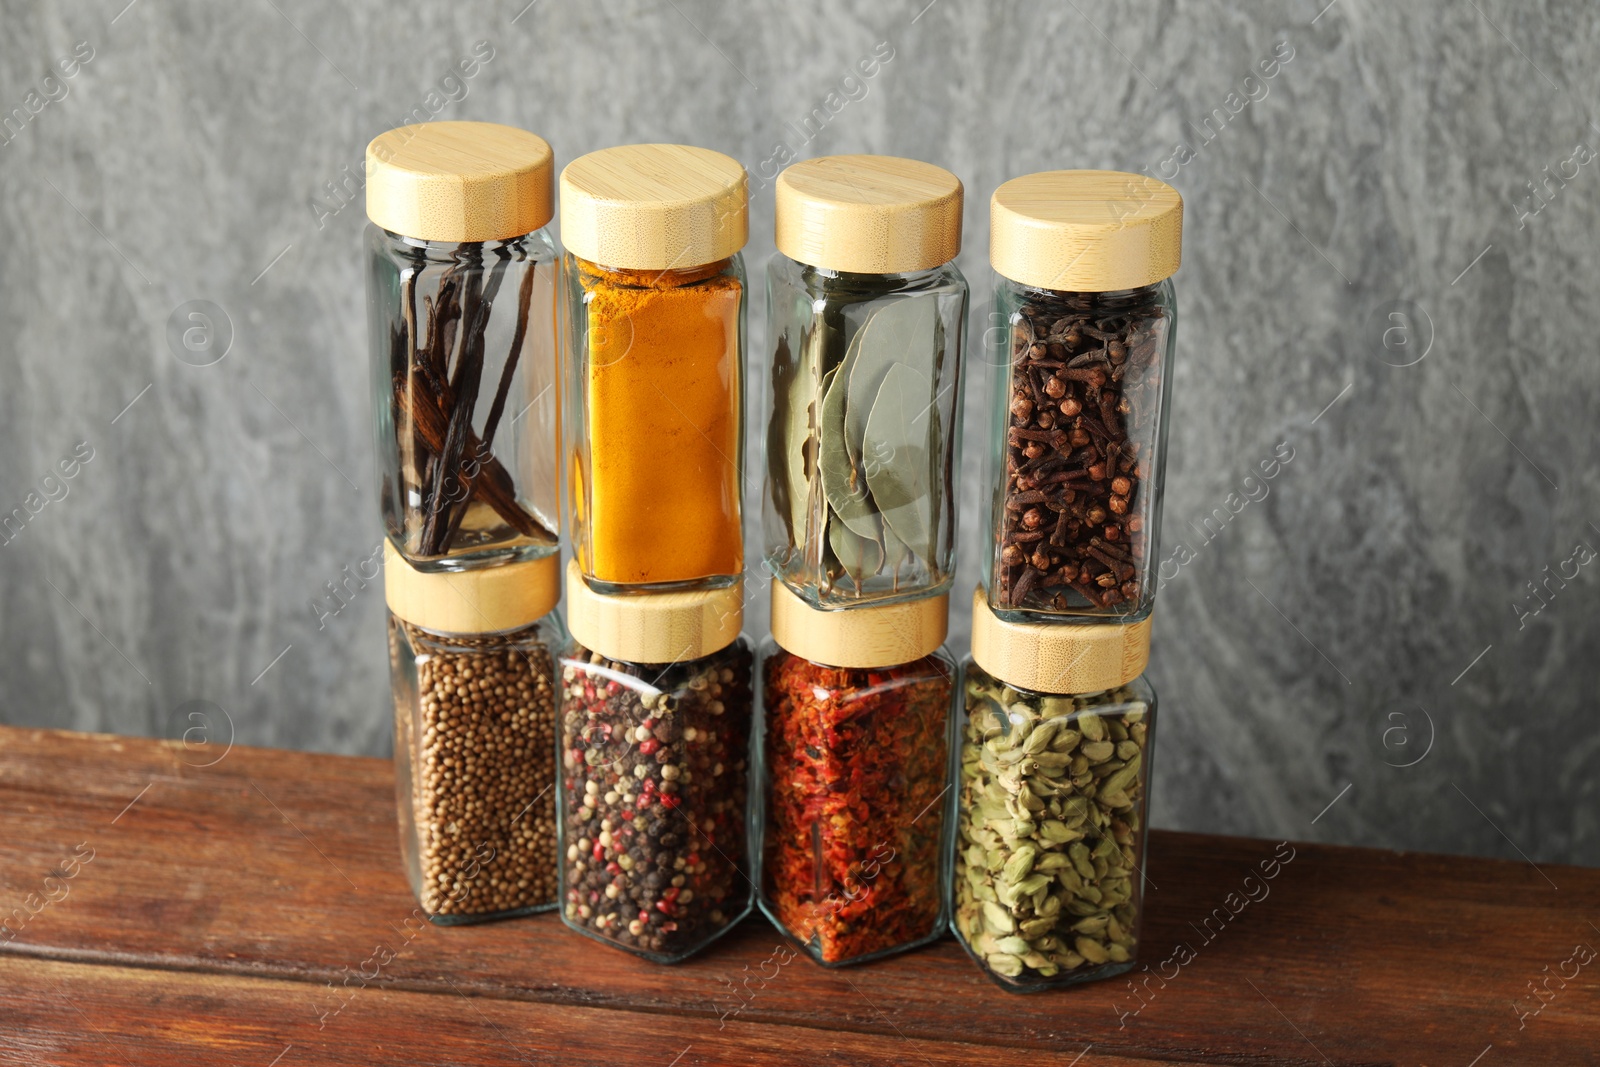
(175, 913)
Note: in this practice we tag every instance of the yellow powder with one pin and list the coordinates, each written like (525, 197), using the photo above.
(663, 434)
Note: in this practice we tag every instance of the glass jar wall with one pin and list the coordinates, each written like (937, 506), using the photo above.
(461, 298)
(1082, 375)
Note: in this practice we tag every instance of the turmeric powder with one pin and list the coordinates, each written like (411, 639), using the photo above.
(657, 462)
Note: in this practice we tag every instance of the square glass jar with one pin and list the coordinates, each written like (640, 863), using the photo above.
(475, 767)
(1078, 450)
(1053, 795)
(653, 810)
(854, 806)
(863, 431)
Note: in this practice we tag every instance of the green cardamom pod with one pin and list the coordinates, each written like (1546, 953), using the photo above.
(1020, 864)
(1003, 963)
(1036, 927)
(997, 919)
(1078, 852)
(1091, 950)
(1098, 751)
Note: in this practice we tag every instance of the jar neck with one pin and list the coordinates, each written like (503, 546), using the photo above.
(634, 278)
(1109, 300)
(853, 282)
(532, 632)
(470, 253)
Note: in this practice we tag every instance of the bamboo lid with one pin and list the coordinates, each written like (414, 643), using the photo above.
(486, 600)
(459, 181)
(869, 214)
(1085, 231)
(653, 627)
(654, 207)
(885, 635)
(1061, 658)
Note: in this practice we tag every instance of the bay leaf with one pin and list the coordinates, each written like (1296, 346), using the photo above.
(842, 482)
(781, 485)
(901, 330)
(800, 436)
(899, 444)
(860, 556)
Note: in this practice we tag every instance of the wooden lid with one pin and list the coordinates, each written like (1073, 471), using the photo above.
(654, 206)
(1085, 231)
(884, 635)
(494, 599)
(653, 627)
(869, 214)
(1053, 657)
(459, 181)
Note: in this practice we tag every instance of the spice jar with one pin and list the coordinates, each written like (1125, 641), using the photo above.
(1085, 260)
(461, 309)
(472, 663)
(1053, 792)
(853, 756)
(656, 705)
(867, 313)
(654, 378)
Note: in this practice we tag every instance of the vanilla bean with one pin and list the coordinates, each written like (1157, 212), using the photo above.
(524, 299)
(444, 515)
(492, 483)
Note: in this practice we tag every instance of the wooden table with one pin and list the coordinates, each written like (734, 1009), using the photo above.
(253, 912)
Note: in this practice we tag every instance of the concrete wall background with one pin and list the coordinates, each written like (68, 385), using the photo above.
(1372, 611)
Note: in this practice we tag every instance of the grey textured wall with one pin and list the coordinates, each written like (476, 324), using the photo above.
(1371, 610)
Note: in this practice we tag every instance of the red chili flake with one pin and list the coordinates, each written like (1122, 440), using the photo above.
(857, 762)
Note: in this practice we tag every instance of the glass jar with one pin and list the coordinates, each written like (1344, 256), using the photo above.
(1082, 373)
(654, 383)
(867, 315)
(654, 745)
(472, 665)
(464, 397)
(1053, 792)
(853, 811)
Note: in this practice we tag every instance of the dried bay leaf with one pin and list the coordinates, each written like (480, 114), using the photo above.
(800, 443)
(899, 441)
(860, 556)
(781, 483)
(842, 482)
(902, 330)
